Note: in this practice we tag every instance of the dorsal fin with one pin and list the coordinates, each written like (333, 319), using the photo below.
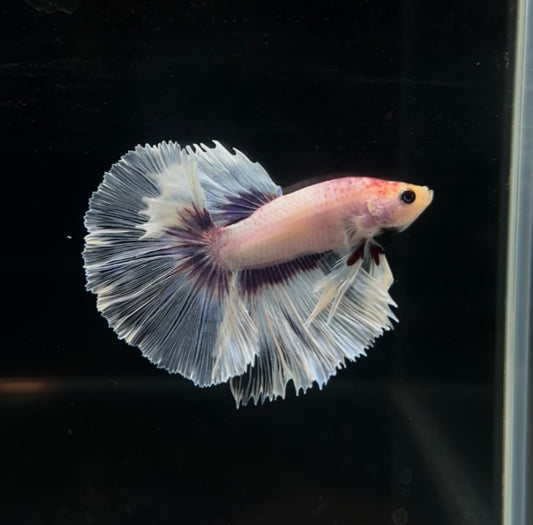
(239, 206)
(234, 186)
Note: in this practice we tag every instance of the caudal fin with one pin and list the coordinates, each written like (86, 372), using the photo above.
(146, 258)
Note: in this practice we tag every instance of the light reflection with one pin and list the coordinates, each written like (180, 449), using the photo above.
(26, 386)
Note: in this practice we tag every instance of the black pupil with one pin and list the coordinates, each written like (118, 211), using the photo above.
(408, 196)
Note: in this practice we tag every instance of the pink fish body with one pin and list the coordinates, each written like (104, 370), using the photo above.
(197, 258)
(330, 215)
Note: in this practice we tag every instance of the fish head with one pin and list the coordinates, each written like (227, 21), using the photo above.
(396, 205)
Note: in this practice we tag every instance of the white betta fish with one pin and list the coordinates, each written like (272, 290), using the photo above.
(197, 258)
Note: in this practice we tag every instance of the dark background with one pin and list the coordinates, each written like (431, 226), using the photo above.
(90, 431)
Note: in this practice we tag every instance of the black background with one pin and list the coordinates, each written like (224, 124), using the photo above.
(90, 431)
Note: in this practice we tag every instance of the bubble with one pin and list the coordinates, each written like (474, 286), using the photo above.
(406, 476)
(399, 516)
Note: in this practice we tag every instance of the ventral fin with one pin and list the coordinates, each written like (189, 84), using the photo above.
(367, 256)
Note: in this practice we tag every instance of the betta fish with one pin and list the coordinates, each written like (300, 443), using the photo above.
(198, 258)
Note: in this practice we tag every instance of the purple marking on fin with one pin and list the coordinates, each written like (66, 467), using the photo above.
(243, 205)
(253, 280)
(356, 254)
(191, 252)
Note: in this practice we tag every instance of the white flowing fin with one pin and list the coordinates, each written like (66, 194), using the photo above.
(234, 186)
(382, 273)
(332, 287)
(147, 259)
(343, 275)
(287, 349)
(305, 344)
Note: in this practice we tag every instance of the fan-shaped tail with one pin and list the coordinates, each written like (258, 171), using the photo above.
(147, 259)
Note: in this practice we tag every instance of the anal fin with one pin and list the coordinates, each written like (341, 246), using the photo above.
(311, 320)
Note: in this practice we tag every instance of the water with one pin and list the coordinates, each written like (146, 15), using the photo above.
(413, 433)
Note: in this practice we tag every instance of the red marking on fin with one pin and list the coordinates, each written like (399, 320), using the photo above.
(356, 255)
(375, 251)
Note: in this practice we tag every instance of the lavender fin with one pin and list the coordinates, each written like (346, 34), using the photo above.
(252, 281)
(241, 206)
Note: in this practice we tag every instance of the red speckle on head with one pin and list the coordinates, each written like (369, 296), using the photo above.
(379, 187)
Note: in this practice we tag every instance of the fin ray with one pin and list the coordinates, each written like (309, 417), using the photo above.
(147, 262)
(306, 346)
(234, 186)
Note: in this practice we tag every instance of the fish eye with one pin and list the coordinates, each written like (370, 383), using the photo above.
(408, 196)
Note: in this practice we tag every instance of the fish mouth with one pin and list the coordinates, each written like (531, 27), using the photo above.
(430, 196)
